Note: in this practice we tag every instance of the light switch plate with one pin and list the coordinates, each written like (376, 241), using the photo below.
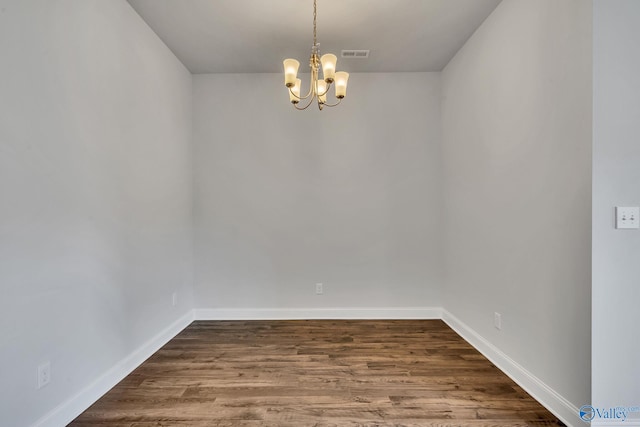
(627, 217)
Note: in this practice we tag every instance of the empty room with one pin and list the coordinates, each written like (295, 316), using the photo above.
(319, 213)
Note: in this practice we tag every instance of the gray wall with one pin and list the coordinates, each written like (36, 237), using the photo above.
(95, 195)
(350, 197)
(516, 117)
(616, 182)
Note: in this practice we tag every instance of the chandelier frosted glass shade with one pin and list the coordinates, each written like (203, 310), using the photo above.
(342, 77)
(328, 62)
(290, 71)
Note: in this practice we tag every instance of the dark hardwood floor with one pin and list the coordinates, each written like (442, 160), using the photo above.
(317, 374)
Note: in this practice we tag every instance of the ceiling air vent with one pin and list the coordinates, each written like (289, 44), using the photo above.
(352, 53)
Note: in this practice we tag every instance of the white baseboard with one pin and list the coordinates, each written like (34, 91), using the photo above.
(317, 313)
(549, 398)
(70, 409)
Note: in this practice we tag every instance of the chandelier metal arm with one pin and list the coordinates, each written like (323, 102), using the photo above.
(301, 97)
(305, 107)
(313, 62)
(333, 105)
(326, 91)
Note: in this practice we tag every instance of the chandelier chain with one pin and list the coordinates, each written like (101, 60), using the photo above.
(314, 22)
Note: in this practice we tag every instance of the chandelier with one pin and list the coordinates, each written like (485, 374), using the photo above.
(318, 88)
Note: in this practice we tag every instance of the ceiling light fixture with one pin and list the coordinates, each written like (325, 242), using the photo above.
(318, 88)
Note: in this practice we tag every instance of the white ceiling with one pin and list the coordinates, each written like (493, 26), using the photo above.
(254, 36)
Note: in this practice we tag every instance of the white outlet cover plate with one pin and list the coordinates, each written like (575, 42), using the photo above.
(44, 374)
(627, 217)
(497, 320)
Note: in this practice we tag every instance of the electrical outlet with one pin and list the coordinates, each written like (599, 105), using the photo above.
(627, 217)
(319, 289)
(497, 320)
(44, 374)
(174, 299)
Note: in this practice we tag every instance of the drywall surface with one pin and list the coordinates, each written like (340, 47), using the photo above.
(516, 110)
(616, 182)
(349, 197)
(95, 195)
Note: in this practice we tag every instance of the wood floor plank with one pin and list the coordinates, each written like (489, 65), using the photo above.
(321, 373)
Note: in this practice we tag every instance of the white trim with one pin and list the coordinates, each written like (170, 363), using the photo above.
(64, 413)
(549, 398)
(317, 313)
